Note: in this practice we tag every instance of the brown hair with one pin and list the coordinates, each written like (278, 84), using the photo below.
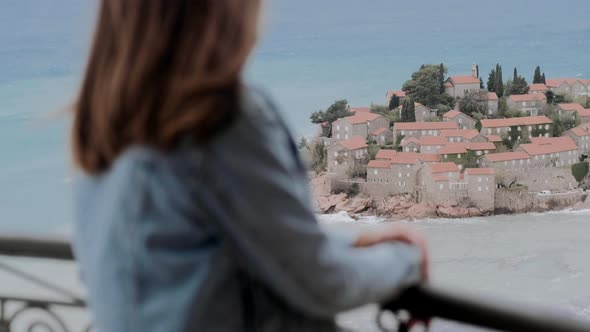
(159, 71)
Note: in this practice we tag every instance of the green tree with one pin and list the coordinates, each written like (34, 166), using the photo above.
(339, 109)
(319, 157)
(424, 87)
(408, 111)
(474, 102)
(441, 77)
(543, 80)
(481, 86)
(394, 102)
(492, 81)
(499, 84)
(537, 78)
(518, 85)
(550, 96)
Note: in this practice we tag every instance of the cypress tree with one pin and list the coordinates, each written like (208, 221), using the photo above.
(393, 102)
(515, 78)
(543, 80)
(537, 78)
(499, 81)
(411, 112)
(481, 86)
(492, 81)
(441, 78)
(476, 70)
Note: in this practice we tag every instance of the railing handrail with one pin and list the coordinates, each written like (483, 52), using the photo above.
(424, 300)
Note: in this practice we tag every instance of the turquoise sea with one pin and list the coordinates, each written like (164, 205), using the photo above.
(311, 53)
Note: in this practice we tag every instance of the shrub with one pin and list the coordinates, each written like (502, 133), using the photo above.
(580, 171)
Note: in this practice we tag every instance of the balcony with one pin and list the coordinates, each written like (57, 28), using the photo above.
(66, 312)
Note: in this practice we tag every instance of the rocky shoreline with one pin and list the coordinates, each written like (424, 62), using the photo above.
(405, 207)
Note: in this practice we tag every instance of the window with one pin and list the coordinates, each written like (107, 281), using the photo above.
(530, 128)
(487, 188)
(479, 179)
(375, 172)
(547, 135)
(346, 154)
(337, 136)
(459, 156)
(408, 166)
(519, 129)
(489, 131)
(423, 132)
(505, 163)
(478, 153)
(441, 186)
(460, 120)
(399, 175)
(403, 132)
(514, 162)
(338, 127)
(498, 130)
(478, 188)
(547, 127)
(446, 156)
(408, 175)
(335, 154)
(346, 128)
(346, 136)
(336, 163)
(521, 161)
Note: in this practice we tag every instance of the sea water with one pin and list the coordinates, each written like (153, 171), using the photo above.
(312, 53)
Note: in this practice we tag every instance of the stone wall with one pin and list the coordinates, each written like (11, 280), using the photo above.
(556, 179)
(520, 200)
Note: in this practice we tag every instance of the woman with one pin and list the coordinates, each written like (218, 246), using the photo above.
(192, 210)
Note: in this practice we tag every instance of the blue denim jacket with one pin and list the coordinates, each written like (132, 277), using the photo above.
(222, 237)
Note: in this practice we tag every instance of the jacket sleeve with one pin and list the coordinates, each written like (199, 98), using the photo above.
(261, 203)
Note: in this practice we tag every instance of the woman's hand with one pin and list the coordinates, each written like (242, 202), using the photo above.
(397, 233)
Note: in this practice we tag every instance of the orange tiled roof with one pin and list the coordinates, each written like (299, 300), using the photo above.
(492, 96)
(507, 156)
(511, 122)
(410, 140)
(429, 157)
(579, 131)
(479, 146)
(480, 171)
(529, 97)
(379, 131)
(413, 157)
(453, 148)
(444, 168)
(385, 154)
(538, 87)
(451, 114)
(556, 82)
(362, 117)
(398, 93)
(464, 79)
(424, 125)
(440, 177)
(433, 140)
(493, 138)
(550, 145)
(465, 133)
(355, 143)
(585, 113)
(571, 107)
(379, 164)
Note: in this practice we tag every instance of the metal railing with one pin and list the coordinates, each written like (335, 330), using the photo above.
(420, 301)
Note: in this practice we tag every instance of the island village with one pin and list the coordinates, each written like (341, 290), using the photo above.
(449, 146)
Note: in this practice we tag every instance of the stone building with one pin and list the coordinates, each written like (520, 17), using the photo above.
(481, 187)
(382, 136)
(551, 152)
(530, 104)
(455, 152)
(401, 94)
(439, 183)
(581, 137)
(385, 154)
(492, 103)
(458, 86)
(569, 86)
(506, 161)
(538, 88)
(431, 144)
(568, 112)
(462, 120)
(481, 148)
(411, 144)
(345, 155)
(540, 125)
(419, 129)
(423, 113)
(399, 172)
(359, 124)
(463, 135)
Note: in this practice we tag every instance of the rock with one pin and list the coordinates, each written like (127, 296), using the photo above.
(331, 203)
(358, 204)
(421, 211)
(395, 205)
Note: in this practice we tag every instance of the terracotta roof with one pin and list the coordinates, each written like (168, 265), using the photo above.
(480, 171)
(493, 138)
(357, 142)
(398, 93)
(453, 148)
(440, 178)
(433, 140)
(360, 109)
(379, 164)
(429, 157)
(550, 145)
(584, 113)
(511, 122)
(579, 131)
(424, 125)
(478, 146)
(410, 140)
(448, 85)
(556, 82)
(379, 131)
(529, 97)
(548, 140)
(464, 79)
(444, 168)
(362, 117)
(506, 156)
(571, 107)
(451, 114)
(385, 154)
(492, 96)
(538, 87)
(465, 133)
